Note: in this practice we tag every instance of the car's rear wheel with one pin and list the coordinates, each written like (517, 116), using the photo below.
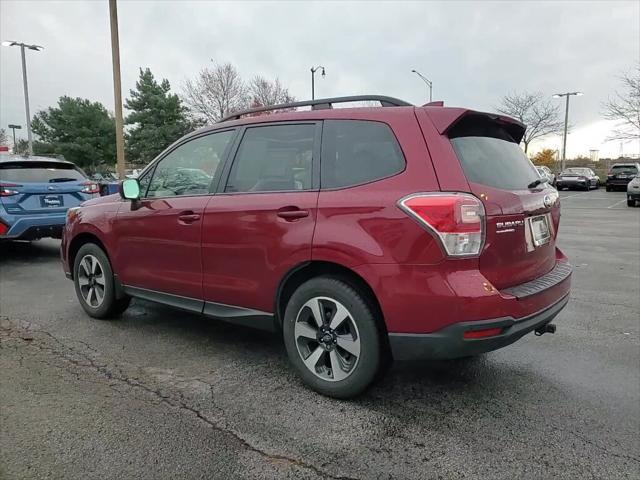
(94, 283)
(631, 202)
(608, 188)
(332, 337)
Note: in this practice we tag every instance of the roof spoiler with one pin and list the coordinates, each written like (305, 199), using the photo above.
(445, 119)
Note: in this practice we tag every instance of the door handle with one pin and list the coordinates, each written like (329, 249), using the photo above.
(188, 217)
(293, 214)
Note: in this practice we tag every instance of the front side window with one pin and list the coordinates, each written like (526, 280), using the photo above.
(273, 158)
(356, 152)
(191, 168)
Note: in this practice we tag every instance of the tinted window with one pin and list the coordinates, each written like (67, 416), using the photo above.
(32, 171)
(356, 152)
(190, 168)
(628, 169)
(273, 158)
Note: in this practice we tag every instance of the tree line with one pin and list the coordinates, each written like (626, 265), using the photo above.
(83, 131)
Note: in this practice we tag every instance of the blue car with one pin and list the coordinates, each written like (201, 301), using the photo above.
(35, 194)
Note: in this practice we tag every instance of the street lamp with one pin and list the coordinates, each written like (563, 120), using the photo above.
(427, 81)
(566, 122)
(313, 74)
(37, 48)
(14, 128)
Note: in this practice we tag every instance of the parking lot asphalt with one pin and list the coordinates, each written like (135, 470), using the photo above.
(161, 393)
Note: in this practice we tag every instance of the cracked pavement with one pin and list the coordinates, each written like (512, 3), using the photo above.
(161, 393)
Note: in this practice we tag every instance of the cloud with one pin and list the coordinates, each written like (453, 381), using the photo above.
(473, 52)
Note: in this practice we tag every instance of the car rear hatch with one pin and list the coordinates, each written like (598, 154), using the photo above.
(32, 187)
(521, 217)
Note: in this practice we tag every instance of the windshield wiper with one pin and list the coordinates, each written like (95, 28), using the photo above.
(537, 182)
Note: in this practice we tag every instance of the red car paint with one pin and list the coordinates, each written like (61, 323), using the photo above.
(237, 249)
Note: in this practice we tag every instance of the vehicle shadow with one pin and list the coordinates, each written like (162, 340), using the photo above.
(26, 250)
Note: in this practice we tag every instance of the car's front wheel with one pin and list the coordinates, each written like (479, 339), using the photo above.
(332, 337)
(631, 202)
(94, 283)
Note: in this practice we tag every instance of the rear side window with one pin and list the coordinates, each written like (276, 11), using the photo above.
(32, 171)
(273, 158)
(356, 152)
(490, 156)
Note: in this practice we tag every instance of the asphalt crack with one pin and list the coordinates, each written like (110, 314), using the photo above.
(114, 373)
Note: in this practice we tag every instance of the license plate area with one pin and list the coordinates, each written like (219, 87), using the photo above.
(51, 201)
(539, 228)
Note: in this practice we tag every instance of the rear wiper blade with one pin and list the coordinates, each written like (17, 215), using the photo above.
(61, 179)
(537, 182)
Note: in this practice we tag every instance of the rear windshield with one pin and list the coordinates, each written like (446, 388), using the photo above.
(630, 169)
(39, 172)
(576, 171)
(490, 156)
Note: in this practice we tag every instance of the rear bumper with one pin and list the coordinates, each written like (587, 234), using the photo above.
(33, 227)
(618, 182)
(571, 183)
(631, 195)
(450, 342)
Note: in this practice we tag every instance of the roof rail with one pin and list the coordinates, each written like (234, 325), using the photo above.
(321, 104)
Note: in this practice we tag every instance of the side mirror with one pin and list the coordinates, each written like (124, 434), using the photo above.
(130, 189)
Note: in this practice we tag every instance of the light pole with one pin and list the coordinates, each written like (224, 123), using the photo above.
(428, 82)
(313, 84)
(37, 48)
(566, 122)
(117, 88)
(14, 128)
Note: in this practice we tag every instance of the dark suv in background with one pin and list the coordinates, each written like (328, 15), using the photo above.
(359, 234)
(621, 174)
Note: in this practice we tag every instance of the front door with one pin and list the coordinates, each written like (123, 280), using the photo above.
(158, 246)
(261, 223)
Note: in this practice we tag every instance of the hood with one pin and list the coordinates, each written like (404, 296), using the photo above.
(115, 198)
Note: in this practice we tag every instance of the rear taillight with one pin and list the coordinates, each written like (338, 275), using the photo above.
(3, 228)
(6, 189)
(90, 188)
(457, 219)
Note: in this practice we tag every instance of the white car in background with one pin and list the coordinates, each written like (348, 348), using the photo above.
(633, 191)
(545, 172)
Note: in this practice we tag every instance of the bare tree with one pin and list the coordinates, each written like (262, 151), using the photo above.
(624, 108)
(216, 92)
(264, 93)
(3, 137)
(539, 115)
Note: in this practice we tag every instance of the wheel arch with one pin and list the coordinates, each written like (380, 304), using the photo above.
(82, 239)
(307, 270)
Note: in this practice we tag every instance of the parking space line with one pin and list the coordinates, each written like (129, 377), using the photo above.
(618, 203)
(574, 195)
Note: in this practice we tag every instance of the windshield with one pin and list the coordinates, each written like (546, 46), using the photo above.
(39, 172)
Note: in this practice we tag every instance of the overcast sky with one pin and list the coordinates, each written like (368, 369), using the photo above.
(474, 52)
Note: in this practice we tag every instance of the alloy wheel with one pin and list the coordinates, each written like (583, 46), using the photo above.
(327, 338)
(91, 281)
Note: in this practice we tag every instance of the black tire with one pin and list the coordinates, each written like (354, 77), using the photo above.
(631, 203)
(608, 188)
(362, 314)
(110, 306)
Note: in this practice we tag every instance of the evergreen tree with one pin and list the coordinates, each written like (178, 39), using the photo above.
(80, 130)
(158, 118)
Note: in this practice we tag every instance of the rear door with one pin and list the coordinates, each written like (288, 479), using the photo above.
(521, 218)
(41, 187)
(261, 222)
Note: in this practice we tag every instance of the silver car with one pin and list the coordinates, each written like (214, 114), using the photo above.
(633, 191)
(545, 172)
(577, 177)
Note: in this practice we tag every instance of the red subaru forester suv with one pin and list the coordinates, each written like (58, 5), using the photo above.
(361, 234)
